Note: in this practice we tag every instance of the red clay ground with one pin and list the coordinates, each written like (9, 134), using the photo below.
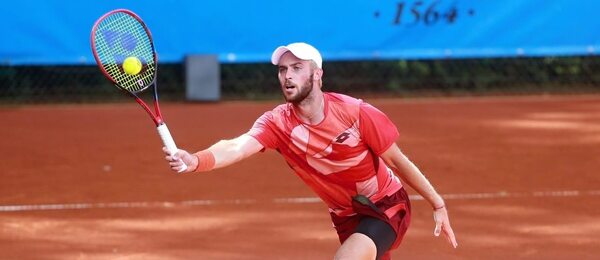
(520, 176)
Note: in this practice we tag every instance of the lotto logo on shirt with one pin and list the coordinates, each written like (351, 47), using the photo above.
(342, 137)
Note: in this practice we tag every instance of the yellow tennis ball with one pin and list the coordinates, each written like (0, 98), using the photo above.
(132, 65)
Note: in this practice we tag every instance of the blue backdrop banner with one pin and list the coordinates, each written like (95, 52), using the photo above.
(58, 31)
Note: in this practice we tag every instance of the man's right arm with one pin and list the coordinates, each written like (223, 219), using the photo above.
(224, 153)
(228, 152)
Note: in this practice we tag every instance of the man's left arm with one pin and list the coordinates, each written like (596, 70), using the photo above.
(411, 175)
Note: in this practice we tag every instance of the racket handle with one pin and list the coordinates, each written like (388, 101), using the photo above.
(168, 141)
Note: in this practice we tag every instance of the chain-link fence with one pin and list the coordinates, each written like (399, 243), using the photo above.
(77, 84)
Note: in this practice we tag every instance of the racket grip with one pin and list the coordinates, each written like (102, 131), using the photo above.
(168, 141)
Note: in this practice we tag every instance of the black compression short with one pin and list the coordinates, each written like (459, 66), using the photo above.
(379, 231)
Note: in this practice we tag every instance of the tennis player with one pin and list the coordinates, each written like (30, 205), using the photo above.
(341, 147)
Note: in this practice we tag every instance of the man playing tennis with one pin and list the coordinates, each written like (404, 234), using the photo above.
(342, 148)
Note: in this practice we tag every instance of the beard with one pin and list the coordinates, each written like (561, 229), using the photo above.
(303, 92)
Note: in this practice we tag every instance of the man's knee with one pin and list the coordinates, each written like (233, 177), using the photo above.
(357, 246)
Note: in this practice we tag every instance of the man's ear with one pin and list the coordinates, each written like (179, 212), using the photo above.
(318, 74)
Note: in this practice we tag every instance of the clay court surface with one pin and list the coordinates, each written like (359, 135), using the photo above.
(521, 177)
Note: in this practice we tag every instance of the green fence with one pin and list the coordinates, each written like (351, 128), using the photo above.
(390, 78)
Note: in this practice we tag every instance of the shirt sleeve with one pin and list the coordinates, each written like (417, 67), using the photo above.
(376, 129)
(263, 130)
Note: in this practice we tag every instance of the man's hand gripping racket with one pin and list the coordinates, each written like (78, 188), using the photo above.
(124, 51)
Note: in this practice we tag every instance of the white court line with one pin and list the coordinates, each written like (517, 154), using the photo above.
(300, 200)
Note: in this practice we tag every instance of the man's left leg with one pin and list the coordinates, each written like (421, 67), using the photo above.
(371, 240)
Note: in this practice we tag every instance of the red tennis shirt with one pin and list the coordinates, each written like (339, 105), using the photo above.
(337, 158)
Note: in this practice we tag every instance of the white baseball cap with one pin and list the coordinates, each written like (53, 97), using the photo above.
(303, 51)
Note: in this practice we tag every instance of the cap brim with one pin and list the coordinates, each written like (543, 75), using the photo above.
(277, 54)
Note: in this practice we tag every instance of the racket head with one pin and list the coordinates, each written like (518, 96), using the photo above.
(120, 34)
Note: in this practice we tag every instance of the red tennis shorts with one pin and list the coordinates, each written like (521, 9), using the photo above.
(393, 209)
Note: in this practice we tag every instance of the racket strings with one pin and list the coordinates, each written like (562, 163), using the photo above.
(119, 36)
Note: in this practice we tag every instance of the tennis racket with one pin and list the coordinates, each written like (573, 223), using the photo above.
(121, 35)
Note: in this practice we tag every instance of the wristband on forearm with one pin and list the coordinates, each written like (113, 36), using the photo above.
(206, 161)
